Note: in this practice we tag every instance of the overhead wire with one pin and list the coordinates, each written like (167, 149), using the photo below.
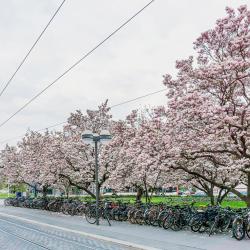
(111, 107)
(5, 86)
(76, 63)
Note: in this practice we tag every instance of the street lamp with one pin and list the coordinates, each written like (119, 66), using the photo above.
(89, 138)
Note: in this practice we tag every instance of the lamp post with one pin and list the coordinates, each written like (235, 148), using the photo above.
(91, 138)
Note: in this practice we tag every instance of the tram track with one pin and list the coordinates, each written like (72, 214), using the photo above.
(41, 232)
(24, 239)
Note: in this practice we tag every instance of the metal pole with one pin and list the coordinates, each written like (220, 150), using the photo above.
(96, 183)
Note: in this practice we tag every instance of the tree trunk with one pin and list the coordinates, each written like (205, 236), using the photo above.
(77, 185)
(245, 198)
(218, 201)
(221, 196)
(208, 190)
(248, 190)
(211, 195)
(44, 191)
(67, 191)
(139, 194)
(146, 192)
(88, 192)
(35, 192)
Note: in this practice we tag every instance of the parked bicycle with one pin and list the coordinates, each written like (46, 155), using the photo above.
(103, 210)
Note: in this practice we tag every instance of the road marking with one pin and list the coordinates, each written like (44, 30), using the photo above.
(99, 237)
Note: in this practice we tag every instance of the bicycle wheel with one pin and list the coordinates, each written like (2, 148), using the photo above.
(90, 216)
(106, 215)
(167, 221)
(72, 211)
(238, 230)
(153, 218)
(204, 227)
(131, 216)
(114, 214)
(146, 217)
(123, 216)
(196, 225)
(139, 217)
(226, 224)
(176, 224)
(213, 227)
(248, 230)
(161, 217)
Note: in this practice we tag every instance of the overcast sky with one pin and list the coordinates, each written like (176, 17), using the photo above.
(130, 64)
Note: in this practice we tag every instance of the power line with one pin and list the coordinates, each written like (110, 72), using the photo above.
(75, 64)
(137, 98)
(29, 51)
(113, 106)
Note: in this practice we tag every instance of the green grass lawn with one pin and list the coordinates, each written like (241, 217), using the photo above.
(232, 202)
(199, 201)
(4, 196)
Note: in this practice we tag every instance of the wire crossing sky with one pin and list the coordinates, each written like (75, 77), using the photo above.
(5, 86)
(111, 107)
(76, 63)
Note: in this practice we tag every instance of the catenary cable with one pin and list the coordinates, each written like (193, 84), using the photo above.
(5, 86)
(64, 122)
(75, 64)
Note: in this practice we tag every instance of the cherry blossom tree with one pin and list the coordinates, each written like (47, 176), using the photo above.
(209, 102)
(61, 159)
(11, 165)
(143, 160)
(79, 163)
(31, 161)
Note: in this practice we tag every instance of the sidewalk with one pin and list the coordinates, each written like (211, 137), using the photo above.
(142, 235)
